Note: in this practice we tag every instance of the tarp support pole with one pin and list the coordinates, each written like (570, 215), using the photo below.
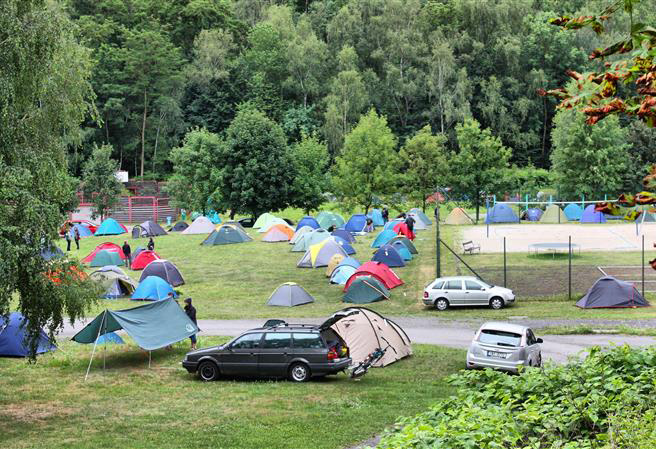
(95, 343)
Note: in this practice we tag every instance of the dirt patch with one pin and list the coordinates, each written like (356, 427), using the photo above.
(30, 413)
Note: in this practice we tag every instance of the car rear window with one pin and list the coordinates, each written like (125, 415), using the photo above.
(308, 341)
(438, 285)
(273, 340)
(500, 338)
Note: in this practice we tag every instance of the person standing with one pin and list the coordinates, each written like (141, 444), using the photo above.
(67, 235)
(385, 214)
(151, 245)
(191, 313)
(76, 235)
(128, 254)
(411, 223)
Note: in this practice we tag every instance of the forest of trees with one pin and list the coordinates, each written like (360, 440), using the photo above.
(164, 68)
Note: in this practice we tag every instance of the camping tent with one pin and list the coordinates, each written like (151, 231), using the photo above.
(610, 292)
(383, 237)
(553, 214)
(378, 270)
(328, 219)
(234, 224)
(84, 231)
(532, 214)
(165, 270)
(107, 246)
(54, 252)
(403, 229)
(263, 220)
(422, 215)
(111, 338)
(390, 224)
(278, 233)
(105, 257)
(12, 337)
(376, 217)
(143, 259)
(137, 251)
(343, 234)
(225, 235)
(309, 239)
(356, 223)
(150, 229)
(201, 225)
(273, 222)
(153, 288)
(365, 289)
(341, 274)
(114, 282)
(346, 246)
(320, 254)
(364, 331)
(458, 216)
(590, 215)
(388, 255)
(307, 221)
(179, 226)
(350, 261)
(573, 212)
(110, 227)
(419, 224)
(151, 326)
(501, 213)
(333, 263)
(402, 249)
(411, 246)
(289, 294)
(300, 233)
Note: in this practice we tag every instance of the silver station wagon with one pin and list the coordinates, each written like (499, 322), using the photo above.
(446, 292)
(504, 346)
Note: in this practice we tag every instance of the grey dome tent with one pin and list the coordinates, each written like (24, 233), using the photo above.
(319, 255)
(114, 281)
(165, 270)
(612, 293)
(225, 235)
(289, 294)
(150, 229)
(179, 226)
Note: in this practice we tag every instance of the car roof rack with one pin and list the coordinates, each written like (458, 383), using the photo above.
(305, 326)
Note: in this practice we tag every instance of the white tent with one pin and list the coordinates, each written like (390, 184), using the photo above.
(201, 225)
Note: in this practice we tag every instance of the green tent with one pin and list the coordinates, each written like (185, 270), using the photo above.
(366, 289)
(104, 258)
(552, 213)
(225, 235)
(328, 219)
(151, 326)
(263, 220)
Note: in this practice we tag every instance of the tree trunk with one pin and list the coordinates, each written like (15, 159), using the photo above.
(143, 132)
(423, 203)
(544, 129)
(159, 125)
(478, 205)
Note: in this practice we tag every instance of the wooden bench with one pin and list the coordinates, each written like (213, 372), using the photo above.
(469, 247)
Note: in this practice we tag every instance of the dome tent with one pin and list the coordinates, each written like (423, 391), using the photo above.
(573, 212)
(366, 289)
(289, 294)
(328, 219)
(107, 246)
(350, 261)
(346, 246)
(356, 223)
(390, 224)
(278, 233)
(111, 338)
(105, 257)
(378, 270)
(347, 236)
(84, 231)
(300, 233)
(12, 337)
(553, 214)
(273, 222)
(458, 216)
(307, 221)
(406, 241)
(149, 229)
(164, 269)
(609, 292)
(341, 274)
(376, 216)
(590, 215)
(201, 225)
(383, 237)
(388, 255)
(422, 215)
(402, 249)
(110, 227)
(263, 220)
(179, 226)
(500, 213)
(309, 239)
(319, 255)
(114, 281)
(226, 235)
(334, 263)
(142, 259)
(532, 214)
(153, 288)
(419, 224)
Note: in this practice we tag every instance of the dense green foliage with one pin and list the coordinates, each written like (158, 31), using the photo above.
(44, 95)
(566, 406)
(99, 181)
(310, 160)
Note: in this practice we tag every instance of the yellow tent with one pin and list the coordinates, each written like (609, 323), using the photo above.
(458, 216)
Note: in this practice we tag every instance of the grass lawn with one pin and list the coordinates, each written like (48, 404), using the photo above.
(49, 405)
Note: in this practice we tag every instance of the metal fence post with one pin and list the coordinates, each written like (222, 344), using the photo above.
(438, 267)
(643, 265)
(505, 279)
(487, 221)
(569, 283)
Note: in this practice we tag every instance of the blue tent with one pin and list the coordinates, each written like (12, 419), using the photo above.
(343, 234)
(390, 224)
(153, 288)
(109, 227)
(308, 221)
(382, 238)
(110, 337)
(573, 212)
(341, 274)
(590, 215)
(402, 249)
(532, 214)
(12, 338)
(388, 255)
(84, 231)
(501, 213)
(356, 223)
(377, 217)
(346, 246)
(54, 252)
(350, 261)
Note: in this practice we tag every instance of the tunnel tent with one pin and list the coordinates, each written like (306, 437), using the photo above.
(104, 257)
(201, 225)
(141, 260)
(341, 274)
(364, 290)
(307, 221)
(590, 215)
(383, 237)
(319, 255)
(333, 263)
(553, 214)
(501, 213)
(422, 215)
(388, 255)
(110, 227)
(532, 214)
(263, 220)
(363, 331)
(376, 216)
(458, 216)
(164, 269)
(309, 239)
(114, 282)
(153, 288)
(300, 233)
(406, 241)
(343, 234)
(13, 337)
(609, 292)
(573, 212)
(289, 294)
(179, 226)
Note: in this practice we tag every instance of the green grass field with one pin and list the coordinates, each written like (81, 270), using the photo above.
(49, 405)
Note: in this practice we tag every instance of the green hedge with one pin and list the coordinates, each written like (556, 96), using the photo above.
(560, 406)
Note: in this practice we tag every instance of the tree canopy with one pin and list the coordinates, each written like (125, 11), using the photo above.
(99, 181)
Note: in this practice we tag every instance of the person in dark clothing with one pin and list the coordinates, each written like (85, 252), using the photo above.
(151, 245)
(191, 313)
(385, 214)
(76, 234)
(411, 223)
(128, 254)
(67, 235)
(331, 228)
(401, 215)
(437, 212)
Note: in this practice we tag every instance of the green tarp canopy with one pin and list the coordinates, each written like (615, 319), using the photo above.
(151, 326)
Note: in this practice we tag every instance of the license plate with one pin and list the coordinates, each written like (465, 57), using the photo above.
(498, 355)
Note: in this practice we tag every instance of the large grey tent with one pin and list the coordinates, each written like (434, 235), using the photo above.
(179, 226)
(201, 225)
(289, 294)
(364, 331)
(612, 293)
(151, 326)
(114, 282)
(165, 270)
(147, 229)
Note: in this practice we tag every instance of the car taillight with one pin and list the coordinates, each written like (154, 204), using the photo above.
(425, 294)
(332, 354)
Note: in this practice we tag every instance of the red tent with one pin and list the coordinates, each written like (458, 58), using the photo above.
(143, 259)
(107, 246)
(379, 271)
(402, 229)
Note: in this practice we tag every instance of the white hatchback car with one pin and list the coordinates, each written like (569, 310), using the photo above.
(446, 292)
(504, 346)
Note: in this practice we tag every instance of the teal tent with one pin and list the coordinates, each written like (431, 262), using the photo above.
(406, 241)
(104, 258)
(226, 235)
(110, 227)
(153, 288)
(376, 217)
(366, 289)
(402, 249)
(382, 238)
(341, 274)
(151, 326)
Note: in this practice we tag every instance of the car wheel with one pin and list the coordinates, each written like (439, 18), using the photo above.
(441, 304)
(496, 303)
(208, 371)
(299, 372)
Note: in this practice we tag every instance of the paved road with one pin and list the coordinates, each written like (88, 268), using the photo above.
(455, 334)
